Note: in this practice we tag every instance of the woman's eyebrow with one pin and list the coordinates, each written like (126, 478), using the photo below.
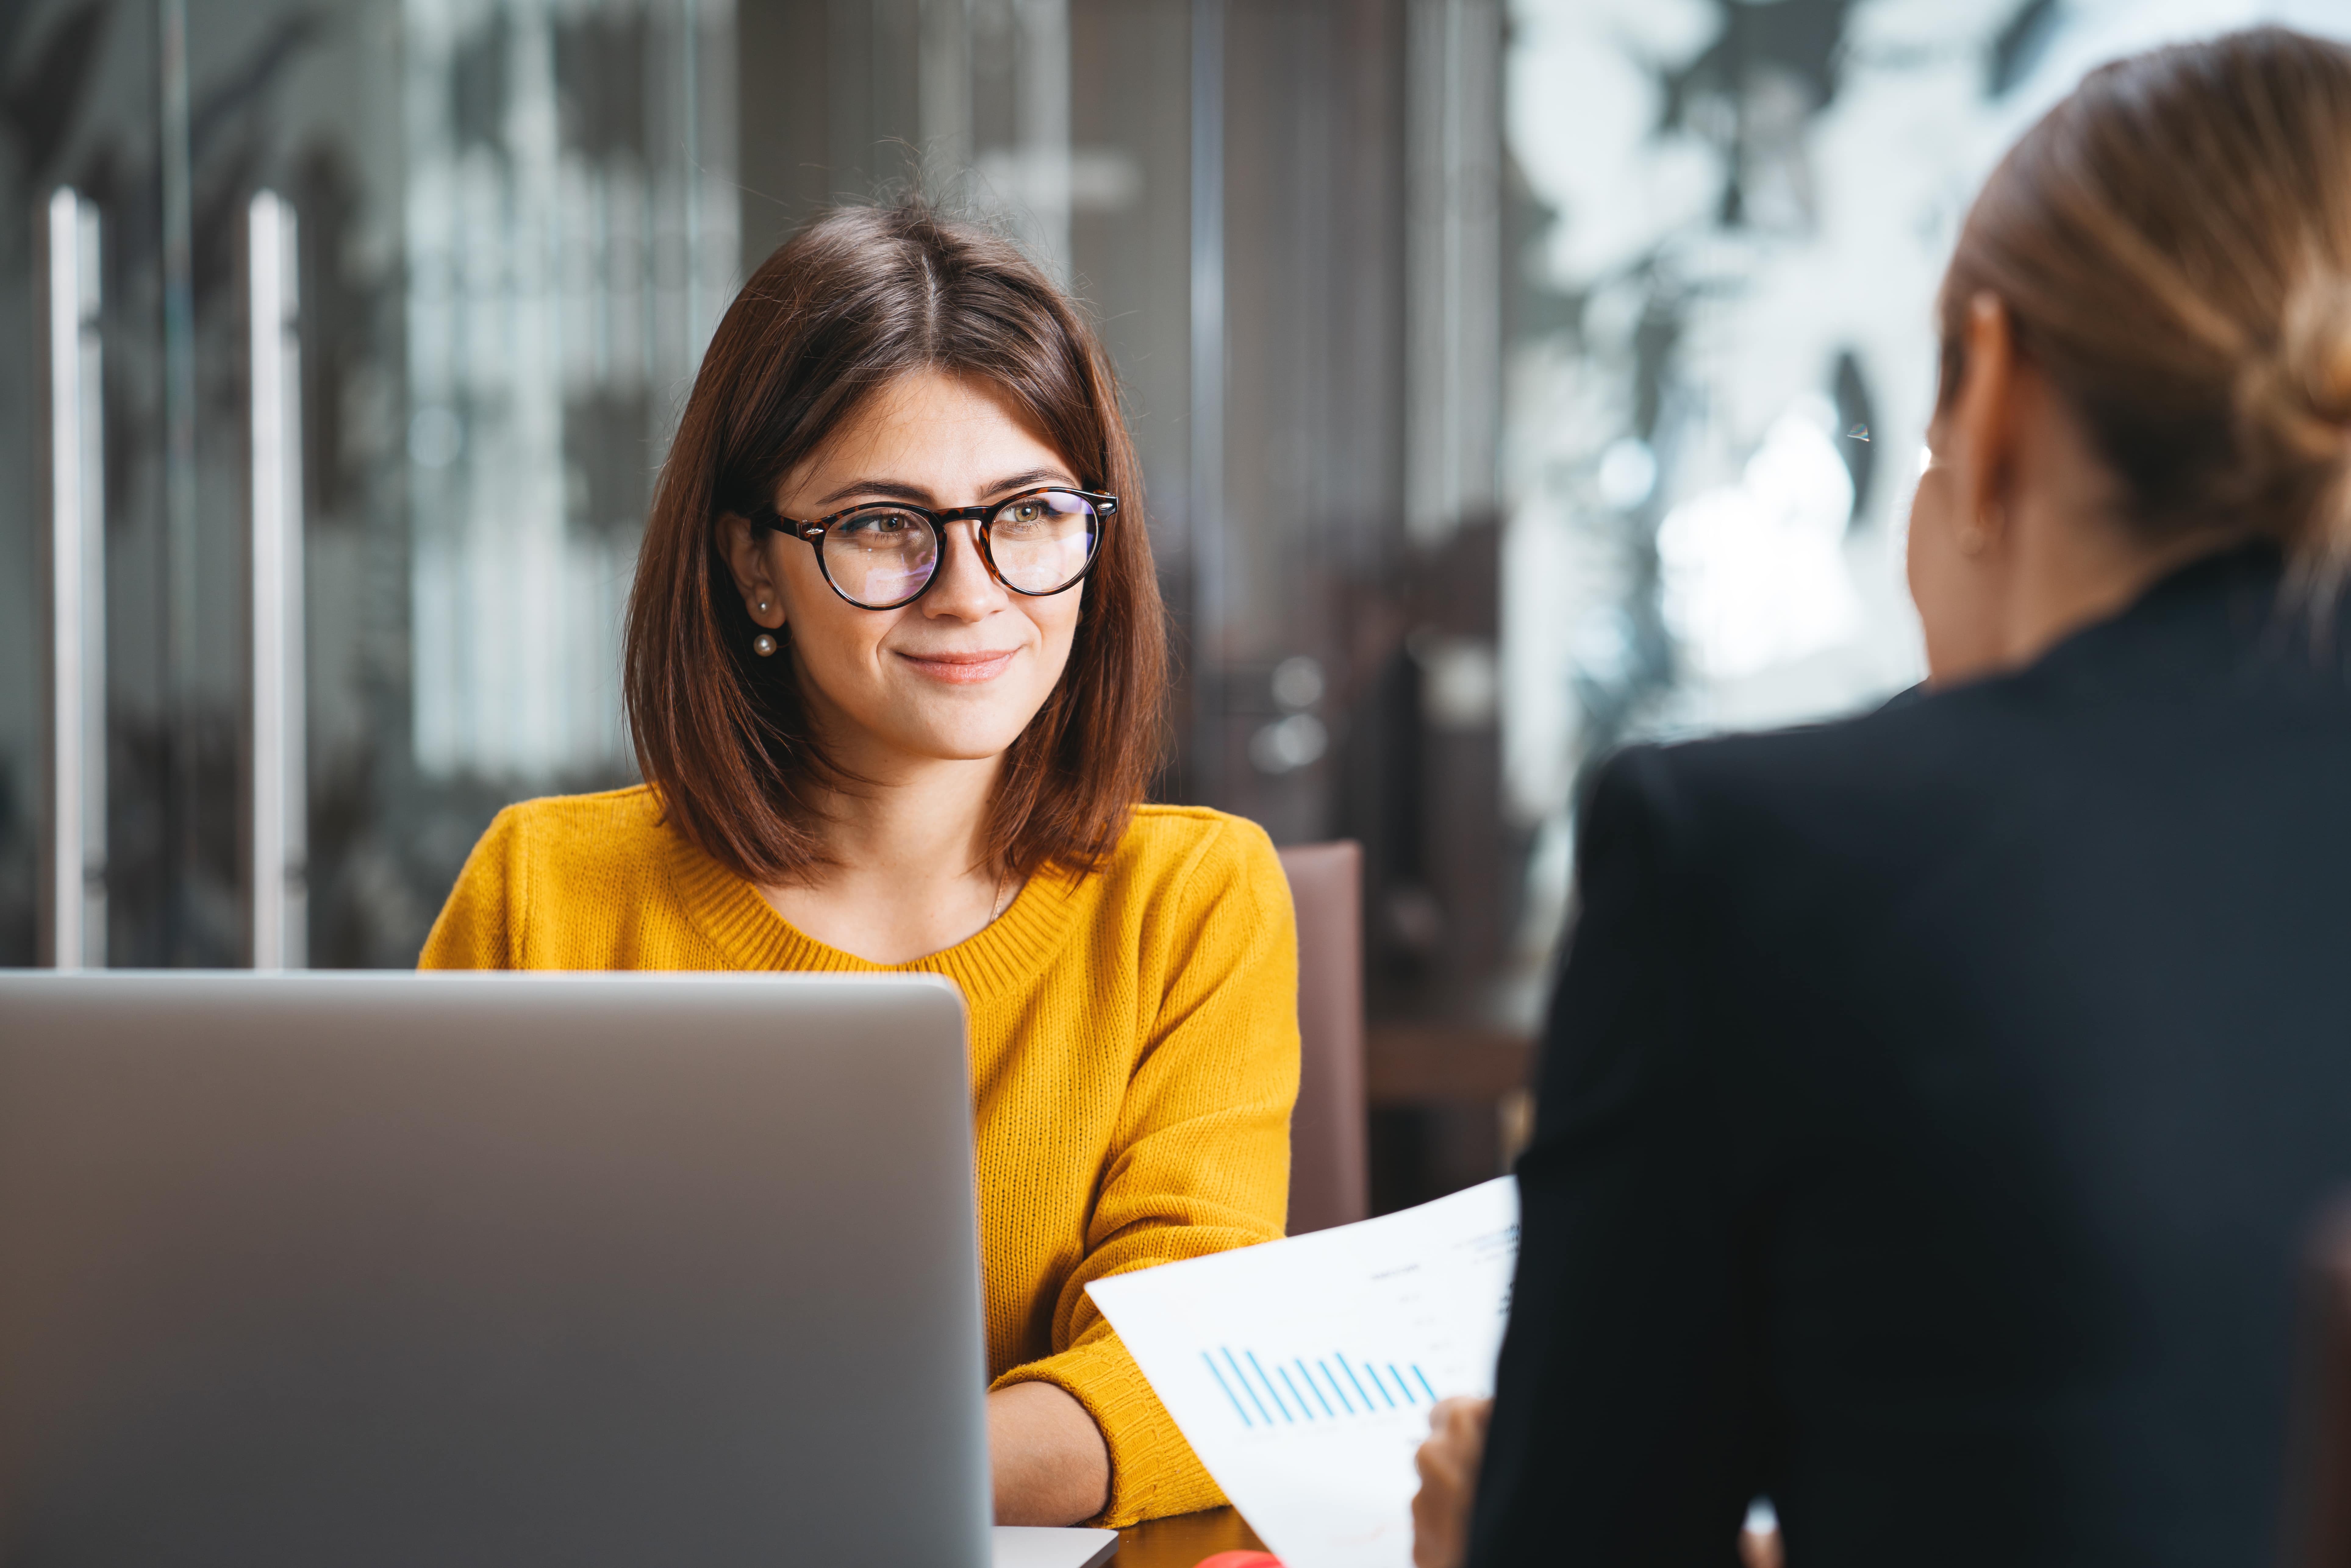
(898, 490)
(895, 489)
(1033, 477)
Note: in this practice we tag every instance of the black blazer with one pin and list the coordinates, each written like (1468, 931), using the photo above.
(1930, 1112)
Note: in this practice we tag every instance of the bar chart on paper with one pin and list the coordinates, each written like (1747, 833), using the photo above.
(1360, 1387)
(1303, 1372)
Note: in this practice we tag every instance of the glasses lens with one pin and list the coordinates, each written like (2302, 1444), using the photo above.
(1041, 543)
(880, 557)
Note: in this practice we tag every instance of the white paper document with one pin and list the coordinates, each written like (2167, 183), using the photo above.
(1303, 1371)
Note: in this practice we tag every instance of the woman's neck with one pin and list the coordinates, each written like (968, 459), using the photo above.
(908, 873)
(2083, 568)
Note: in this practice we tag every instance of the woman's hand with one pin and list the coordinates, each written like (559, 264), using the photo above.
(1051, 1465)
(1448, 1463)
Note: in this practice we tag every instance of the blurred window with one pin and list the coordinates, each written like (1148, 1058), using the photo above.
(1726, 223)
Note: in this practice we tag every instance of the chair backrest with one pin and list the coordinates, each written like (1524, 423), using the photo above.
(2319, 1533)
(1329, 1172)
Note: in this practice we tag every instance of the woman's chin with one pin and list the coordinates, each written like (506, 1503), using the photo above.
(955, 743)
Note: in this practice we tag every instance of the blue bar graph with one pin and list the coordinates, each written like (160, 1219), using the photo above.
(1244, 1382)
(1345, 1403)
(1274, 1391)
(1268, 1386)
(1228, 1387)
(1308, 1377)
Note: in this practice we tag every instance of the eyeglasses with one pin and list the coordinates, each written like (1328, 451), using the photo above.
(879, 557)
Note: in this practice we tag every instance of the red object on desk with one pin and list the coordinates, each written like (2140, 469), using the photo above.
(1241, 1559)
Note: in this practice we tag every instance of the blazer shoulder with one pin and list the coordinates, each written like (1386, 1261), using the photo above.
(1915, 739)
(1869, 791)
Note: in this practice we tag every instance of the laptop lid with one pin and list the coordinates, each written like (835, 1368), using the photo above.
(494, 1268)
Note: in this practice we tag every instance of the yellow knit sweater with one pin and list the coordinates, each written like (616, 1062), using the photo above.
(1133, 1057)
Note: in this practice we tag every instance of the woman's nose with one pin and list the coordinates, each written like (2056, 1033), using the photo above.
(965, 589)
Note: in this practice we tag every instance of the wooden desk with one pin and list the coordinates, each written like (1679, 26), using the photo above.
(1183, 1540)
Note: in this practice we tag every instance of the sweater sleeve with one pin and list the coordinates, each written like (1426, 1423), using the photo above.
(1201, 1160)
(481, 926)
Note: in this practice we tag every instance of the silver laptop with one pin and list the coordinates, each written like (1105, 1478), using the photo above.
(404, 1270)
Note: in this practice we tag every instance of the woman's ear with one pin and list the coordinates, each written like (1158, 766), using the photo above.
(750, 565)
(1981, 430)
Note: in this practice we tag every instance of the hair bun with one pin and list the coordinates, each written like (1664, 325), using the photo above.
(2301, 398)
(2294, 417)
(2174, 241)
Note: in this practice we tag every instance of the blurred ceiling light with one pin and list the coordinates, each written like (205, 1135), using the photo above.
(1297, 682)
(1754, 572)
(1629, 472)
(1461, 685)
(1287, 744)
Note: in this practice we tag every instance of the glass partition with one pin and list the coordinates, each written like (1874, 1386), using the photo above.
(392, 307)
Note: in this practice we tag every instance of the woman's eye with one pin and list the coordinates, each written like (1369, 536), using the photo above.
(1027, 512)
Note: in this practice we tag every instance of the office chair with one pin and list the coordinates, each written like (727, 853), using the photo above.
(1329, 1178)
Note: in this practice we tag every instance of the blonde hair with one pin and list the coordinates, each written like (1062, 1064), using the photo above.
(2173, 244)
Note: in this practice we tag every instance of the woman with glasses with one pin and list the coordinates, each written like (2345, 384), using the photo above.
(896, 671)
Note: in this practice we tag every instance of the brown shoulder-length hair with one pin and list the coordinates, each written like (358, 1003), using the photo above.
(2173, 246)
(857, 299)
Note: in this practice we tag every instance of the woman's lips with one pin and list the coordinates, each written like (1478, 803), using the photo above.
(961, 669)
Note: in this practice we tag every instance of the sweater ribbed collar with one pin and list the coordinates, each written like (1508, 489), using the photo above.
(1006, 952)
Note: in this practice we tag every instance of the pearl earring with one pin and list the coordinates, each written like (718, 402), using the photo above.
(763, 607)
(763, 644)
